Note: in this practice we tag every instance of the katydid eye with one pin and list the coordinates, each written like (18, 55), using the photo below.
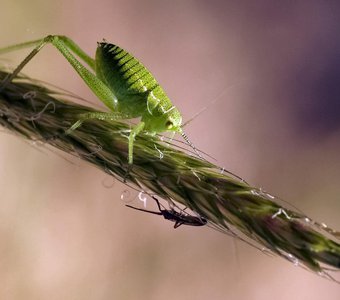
(169, 124)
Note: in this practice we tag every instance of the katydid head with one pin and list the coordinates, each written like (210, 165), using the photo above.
(169, 121)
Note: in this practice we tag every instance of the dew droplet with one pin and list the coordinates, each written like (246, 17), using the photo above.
(270, 196)
(293, 259)
(142, 197)
(109, 182)
(255, 192)
(125, 196)
(323, 225)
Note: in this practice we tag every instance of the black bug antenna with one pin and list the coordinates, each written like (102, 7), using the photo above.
(145, 210)
(185, 137)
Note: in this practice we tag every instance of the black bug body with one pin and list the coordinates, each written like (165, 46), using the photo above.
(180, 218)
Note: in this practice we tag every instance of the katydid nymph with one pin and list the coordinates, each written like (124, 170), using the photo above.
(120, 81)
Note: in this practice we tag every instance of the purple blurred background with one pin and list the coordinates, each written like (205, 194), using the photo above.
(274, 67)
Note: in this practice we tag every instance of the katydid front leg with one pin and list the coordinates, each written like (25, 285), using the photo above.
(109, 117)
(134, 132)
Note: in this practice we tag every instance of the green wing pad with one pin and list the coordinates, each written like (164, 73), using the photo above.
(123, 73)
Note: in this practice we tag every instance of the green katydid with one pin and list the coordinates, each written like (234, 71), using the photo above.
(120, 81)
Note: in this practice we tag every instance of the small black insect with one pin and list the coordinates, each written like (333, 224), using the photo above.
(180, 218)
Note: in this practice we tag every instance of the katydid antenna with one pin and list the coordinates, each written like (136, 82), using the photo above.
(185, 137)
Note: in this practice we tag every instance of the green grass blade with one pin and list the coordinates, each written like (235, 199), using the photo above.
(32, 111)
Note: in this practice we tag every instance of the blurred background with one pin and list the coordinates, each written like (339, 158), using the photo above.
(274, 67)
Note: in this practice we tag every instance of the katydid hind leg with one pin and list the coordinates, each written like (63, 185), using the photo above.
(66, 46)
(71, 45)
